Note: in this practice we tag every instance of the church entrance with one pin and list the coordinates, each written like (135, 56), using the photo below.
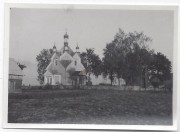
(49, 80)
(57, 79)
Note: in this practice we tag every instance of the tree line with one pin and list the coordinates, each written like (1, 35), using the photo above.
(127, 56)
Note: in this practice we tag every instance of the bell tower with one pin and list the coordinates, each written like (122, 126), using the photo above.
(66, 37)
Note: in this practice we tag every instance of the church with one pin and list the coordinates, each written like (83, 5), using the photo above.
(65, 67)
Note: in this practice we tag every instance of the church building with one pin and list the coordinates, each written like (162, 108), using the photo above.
(65, 66)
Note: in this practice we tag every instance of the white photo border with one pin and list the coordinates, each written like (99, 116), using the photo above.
(173, 8)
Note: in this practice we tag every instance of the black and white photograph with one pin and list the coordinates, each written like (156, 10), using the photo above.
(91, 66)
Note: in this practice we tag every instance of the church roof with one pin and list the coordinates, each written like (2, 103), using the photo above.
(79, 66)
(77, 57)
(66, 59)
(66, 56)
(76, 65)
(70, 51)
(54, 69)
(56, 55)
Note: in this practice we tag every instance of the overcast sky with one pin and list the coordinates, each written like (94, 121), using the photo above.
(32, 30)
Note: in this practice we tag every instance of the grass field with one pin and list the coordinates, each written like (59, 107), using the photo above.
(91, 107)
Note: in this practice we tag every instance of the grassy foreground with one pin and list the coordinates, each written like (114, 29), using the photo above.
(91, 107)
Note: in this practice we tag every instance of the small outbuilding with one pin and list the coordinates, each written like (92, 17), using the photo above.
(15, 76)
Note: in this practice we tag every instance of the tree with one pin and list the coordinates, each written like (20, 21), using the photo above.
(43, 60)
(110, 61)
(121, 50)
(155, 82)
(137, 64)
(126, 56)
(160, 67)
(91, 62)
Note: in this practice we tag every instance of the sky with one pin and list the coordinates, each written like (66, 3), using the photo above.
(32, 30)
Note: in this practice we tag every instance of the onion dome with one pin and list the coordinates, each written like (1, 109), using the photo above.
(77, 49)
(66, 35)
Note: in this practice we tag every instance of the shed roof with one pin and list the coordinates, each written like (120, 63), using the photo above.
(14, 68)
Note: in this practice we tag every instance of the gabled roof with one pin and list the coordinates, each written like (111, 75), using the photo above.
(79, 66)
(54, 69)
(76, 57)
(56, 55)
(76, 65)
(14, 68)
(47, 73)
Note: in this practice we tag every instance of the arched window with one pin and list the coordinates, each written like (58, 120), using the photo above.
(75, 63)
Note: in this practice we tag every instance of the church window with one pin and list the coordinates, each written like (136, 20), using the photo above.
(75, 63)
(56, 61)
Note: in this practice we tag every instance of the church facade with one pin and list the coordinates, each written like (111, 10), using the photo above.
(65, 67)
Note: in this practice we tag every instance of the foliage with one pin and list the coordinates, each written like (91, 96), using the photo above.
(91, 62)
(43, 60)
(155, 82)
(137, 64)
(47, 86)
(160, 67)
(168, 85)
(126, 55)
(110, 61)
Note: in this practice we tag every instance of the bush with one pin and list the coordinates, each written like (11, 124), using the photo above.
(89, 83)
(104, 84)
(168, 85)
(47, 86)
(155, 82)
